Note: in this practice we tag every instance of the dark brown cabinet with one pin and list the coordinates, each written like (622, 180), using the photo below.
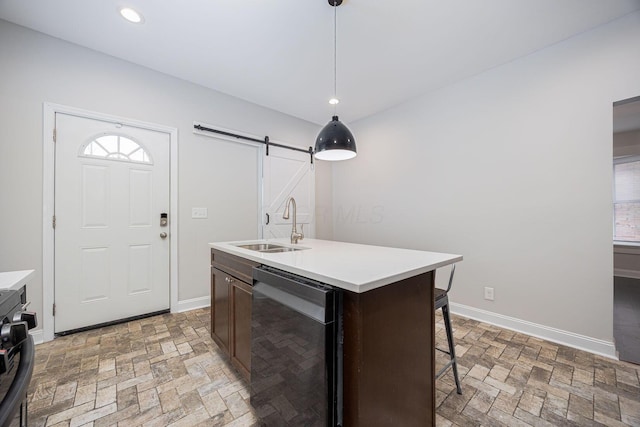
(241, 326)
(231, 279)
(220, 308)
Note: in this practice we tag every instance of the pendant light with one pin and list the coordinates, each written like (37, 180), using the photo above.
(335, 141)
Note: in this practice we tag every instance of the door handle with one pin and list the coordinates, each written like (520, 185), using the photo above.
(163, 235)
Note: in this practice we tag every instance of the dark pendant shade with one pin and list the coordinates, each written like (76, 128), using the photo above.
(335, 142)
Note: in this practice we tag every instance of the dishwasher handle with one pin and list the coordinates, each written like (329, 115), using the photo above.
(303, 306)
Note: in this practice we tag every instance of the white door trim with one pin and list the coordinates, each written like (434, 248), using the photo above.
(49, 111)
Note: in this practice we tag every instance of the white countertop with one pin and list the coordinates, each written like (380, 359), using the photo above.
(349, 266)
(14, 280)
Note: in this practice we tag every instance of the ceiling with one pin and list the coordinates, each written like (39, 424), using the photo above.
(279, 53)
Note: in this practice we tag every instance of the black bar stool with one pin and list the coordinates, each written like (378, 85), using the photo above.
(442, 301)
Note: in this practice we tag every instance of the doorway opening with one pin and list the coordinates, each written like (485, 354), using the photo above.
(626, 228)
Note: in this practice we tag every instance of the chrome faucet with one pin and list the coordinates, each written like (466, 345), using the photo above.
(295, 236)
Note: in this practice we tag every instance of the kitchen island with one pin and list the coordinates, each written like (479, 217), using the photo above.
(388, 319)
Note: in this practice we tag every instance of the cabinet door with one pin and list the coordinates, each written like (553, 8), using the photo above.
(220, 284)
(241, 326)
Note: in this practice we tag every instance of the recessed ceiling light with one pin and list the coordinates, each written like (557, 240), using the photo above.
(131, 15)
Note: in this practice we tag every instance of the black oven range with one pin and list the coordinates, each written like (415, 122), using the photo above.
(16, 356)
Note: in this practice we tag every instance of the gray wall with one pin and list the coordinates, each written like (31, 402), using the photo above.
(510, 168)
(36, 68)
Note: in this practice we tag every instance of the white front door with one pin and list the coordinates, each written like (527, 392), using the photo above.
(287, 173)
(111, 253)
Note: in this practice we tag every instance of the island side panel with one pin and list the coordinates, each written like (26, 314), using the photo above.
(389, 361)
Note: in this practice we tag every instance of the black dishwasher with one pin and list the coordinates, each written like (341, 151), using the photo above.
(296, 350)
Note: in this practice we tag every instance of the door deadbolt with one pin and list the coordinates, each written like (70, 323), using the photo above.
(164, 220)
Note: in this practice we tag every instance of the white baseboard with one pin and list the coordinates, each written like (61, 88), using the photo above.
(38, 336)
(193, 303)
(570, 339)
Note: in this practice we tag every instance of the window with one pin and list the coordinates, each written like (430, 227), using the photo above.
(115, 147)
(626, 199)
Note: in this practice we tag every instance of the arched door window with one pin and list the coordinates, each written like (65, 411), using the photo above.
(115, 147)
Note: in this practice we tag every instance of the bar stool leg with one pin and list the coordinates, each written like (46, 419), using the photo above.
(452, 351)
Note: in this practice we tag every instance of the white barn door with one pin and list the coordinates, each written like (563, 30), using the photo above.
(287, 173)
(111, 251)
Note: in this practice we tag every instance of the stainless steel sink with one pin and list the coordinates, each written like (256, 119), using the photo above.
(269, 248)
(280, 250)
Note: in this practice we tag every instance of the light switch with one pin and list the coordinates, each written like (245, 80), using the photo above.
(199, 213)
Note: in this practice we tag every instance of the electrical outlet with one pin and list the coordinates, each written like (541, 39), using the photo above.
(199, 213)
(488, 293)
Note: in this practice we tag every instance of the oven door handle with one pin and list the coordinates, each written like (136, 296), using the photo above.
(18, 390)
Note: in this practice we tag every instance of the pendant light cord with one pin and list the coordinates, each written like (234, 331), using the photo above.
(335, 55)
